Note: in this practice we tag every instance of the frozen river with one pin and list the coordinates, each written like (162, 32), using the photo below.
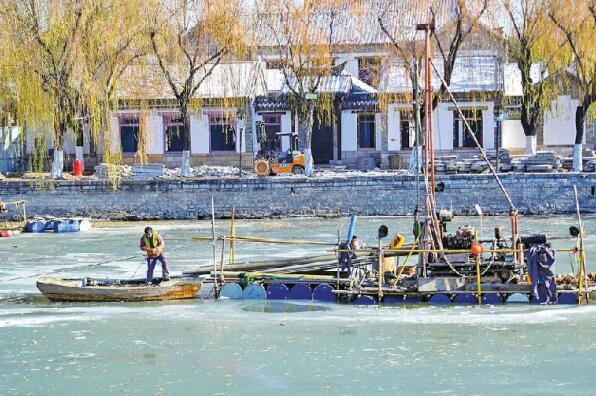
(202, 347)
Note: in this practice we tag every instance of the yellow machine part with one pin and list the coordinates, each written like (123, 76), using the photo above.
(281, 168)
(397, 241)
(389, 264)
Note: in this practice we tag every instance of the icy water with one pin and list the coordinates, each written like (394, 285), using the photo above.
(246, 348)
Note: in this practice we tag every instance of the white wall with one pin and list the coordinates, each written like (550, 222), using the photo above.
(393, 128)
(512, 135)
(378, 135)
(442, 127)
(286, 127)
(199, 133)
(155, 137)
(559, 122)
(349, 131)
(488, 126)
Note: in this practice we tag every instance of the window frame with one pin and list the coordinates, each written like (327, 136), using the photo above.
(223, 120)
(169, 120)
(475, 118)
(373, 122)
(121, 123)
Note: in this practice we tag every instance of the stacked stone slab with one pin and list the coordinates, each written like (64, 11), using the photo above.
(543, 161)
(451, 164)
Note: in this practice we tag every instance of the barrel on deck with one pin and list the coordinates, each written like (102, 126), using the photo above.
(232, 291)
(254, 292)
(364, 300)
(324, 292)
(277, 291)
(300, 291)
(466, 299)
(518, 298)
(440, 299)
(61, 226)
(568, 298)
(400, 299)
(36, 226)
(492, 299)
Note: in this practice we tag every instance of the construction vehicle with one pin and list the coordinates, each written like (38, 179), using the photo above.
(275, 162)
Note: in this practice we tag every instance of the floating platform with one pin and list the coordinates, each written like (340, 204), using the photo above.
(329, 288)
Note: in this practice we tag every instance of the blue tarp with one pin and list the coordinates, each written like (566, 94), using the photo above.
(541, 268)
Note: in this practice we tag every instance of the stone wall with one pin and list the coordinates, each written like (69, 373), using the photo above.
(285, 196)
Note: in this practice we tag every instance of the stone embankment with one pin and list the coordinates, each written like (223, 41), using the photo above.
(538, 194)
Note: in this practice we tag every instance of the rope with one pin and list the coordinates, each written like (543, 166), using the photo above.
(267, 240)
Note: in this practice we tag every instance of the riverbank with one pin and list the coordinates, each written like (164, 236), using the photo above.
(333, 196)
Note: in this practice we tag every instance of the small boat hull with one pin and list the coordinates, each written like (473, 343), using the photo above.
(72, 290)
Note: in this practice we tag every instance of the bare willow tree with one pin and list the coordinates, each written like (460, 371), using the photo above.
(116, 42)
(189, 38)
(466, 16)
(303, 41)
(46, 38)
(577, 21)
(536, 48)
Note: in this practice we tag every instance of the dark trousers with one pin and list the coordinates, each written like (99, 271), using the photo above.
(151, 261)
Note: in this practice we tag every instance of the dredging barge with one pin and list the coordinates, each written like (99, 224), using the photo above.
(459, 267)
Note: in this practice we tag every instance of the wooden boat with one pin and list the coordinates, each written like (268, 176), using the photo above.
(90, 289)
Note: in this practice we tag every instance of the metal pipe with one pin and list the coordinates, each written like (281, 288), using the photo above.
(213, 240)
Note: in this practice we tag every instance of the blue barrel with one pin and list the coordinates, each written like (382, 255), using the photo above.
(232, 291)
(277, 291)
(254, 292)
(63, 226)
(36, 226)
(518, 298)
(440, 299)
(568, 298)
(300, 291)
(491, 299)
(364, 300)
(401, 299)
(466, 299)
(324, 292)
(50, 225)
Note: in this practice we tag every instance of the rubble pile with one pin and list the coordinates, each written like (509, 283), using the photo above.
(209, 171)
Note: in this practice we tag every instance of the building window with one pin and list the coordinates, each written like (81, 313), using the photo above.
(129, 134)
(222, 131)
(406, 129)
(174, 131)
(366, 131)
(369, 70)
(461, 137)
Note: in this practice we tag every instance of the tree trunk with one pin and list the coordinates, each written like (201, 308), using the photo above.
(60, 126)
(308, 125)
(185, 163)
(580, 119)
(58, 163)
(531, 145)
